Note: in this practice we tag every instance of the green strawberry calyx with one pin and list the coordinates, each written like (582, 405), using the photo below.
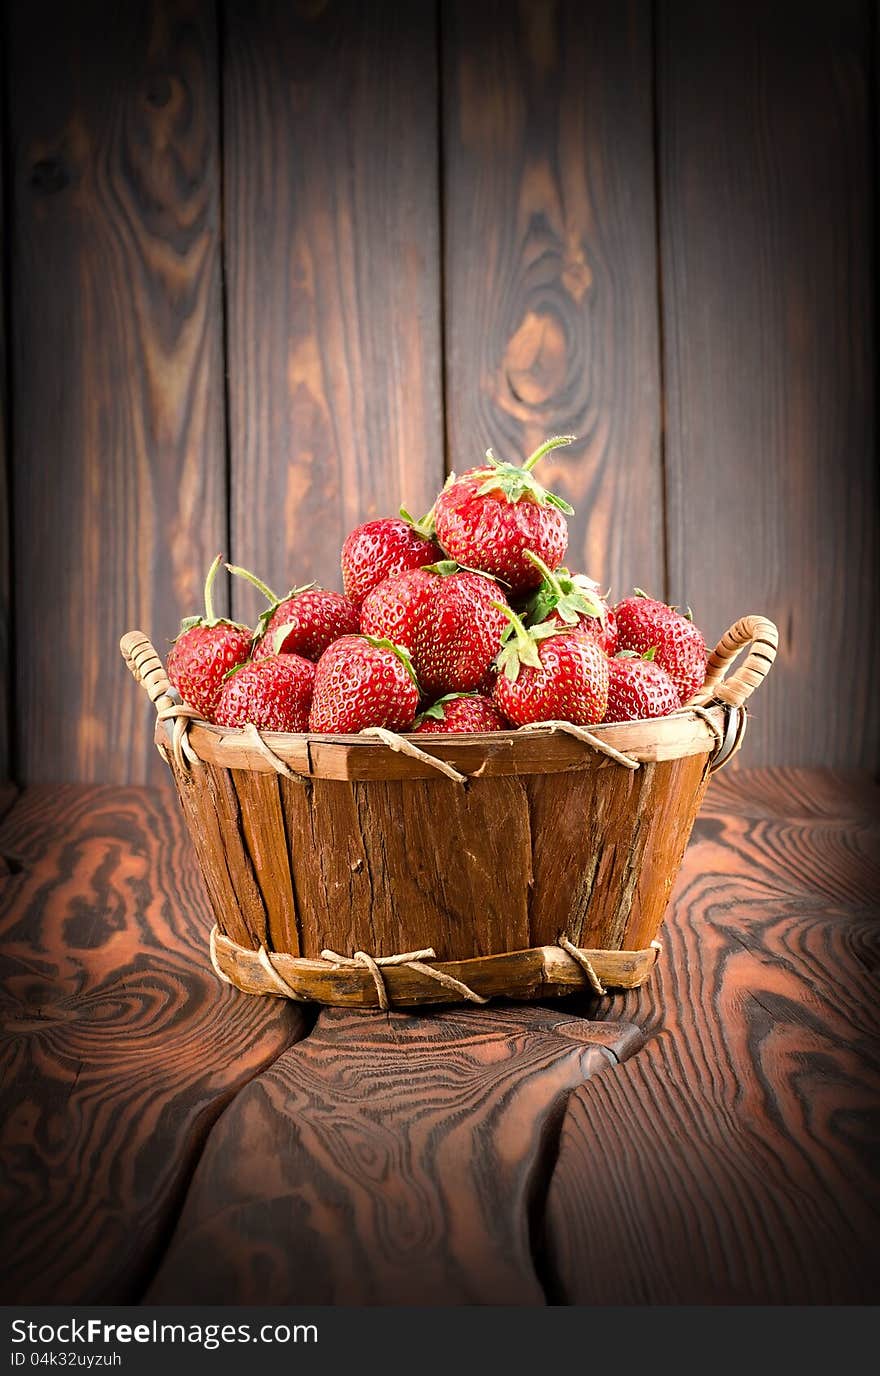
(403, 654)
(446, 567)
(423, 527)
(649, 655)
(437, 710)
(519, 644)
(272, 599)
(281, 635)
(517, 482)
(209, 619)
(571, 596)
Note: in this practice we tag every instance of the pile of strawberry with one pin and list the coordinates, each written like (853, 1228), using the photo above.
(464, 621)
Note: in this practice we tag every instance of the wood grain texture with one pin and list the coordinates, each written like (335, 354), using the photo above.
(734, 1159)
(544, 751)
(390, 1159)
(300, 865)
(766, 228)
(332, 268)
(542, 972)
(550, 265)
(5, 456)
(606, 847)
(117, 365)
(119, 1045)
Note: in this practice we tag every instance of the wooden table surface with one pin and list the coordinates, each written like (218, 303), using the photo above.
(708, 1139)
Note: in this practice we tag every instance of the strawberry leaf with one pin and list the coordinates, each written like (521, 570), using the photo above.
(518, 645)
(424, 527)
(403, 654)
(437, 710)
(571, 596)
(444, 567)
(281, 635)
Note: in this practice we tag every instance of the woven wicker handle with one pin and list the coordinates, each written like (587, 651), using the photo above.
(762, 639)
(147, 668)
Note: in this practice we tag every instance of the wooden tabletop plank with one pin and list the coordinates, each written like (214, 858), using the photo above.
(733, 1159)
(119, 1045)
(388, 1159)
(465, 1156)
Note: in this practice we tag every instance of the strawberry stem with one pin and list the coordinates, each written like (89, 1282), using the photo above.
(209, 584)
(549, 578)
(522, 636)
(255, 582)
(553, 443)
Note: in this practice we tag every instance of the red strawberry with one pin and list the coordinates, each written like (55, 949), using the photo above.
(361, 681)
(275, 693)
(608, 636)
(644, 624)
(447, 617)
(490, 516)
(381, 549)
(550, 673)
(461, 712)
(572, 599)
(303, 622)
(638, 688)
(206, 649)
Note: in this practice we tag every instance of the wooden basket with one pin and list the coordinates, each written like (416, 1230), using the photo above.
(367, 871)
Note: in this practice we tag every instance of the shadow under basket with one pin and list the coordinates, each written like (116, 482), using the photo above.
(382, 870)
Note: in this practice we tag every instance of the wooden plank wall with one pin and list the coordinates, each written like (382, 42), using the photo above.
(273, 268)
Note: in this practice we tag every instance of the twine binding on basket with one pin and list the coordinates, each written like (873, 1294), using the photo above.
(256, 740)
(405, 747)
(582, 734)
(584, 962)
(414, 960)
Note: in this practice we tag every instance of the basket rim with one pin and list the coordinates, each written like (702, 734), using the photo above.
(510, 752)
(694, 729)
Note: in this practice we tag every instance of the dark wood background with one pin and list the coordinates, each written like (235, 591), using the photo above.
(271, 268)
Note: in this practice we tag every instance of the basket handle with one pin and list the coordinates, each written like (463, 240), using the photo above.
(762, 638)
(147, 668)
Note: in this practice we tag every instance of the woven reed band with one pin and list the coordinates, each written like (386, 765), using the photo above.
(182, 715)
(414, 960)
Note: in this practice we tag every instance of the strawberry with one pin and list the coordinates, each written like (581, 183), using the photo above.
(550, 673)
(303, 622)
(206, 649)
(380, 549)
(446, 617)
(638, 688)
(644, 624)
(461, 712)
(363, 681)
(574, 600)
(274, 693)
(490, 516)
